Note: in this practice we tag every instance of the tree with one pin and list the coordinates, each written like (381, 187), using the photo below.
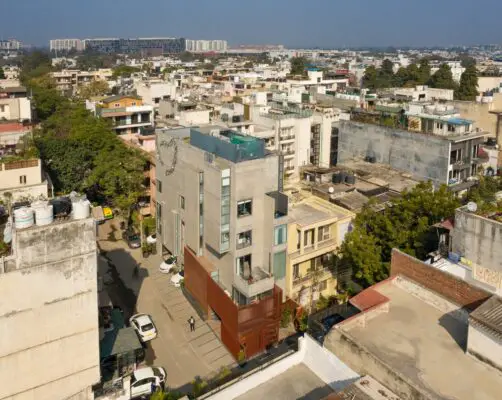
(34, 65)
(387, 68)
(370, 77)
(468, 88)
(97, 87)
(405, 225)
(424, 71)
(2, 74)
(124, 71)
(443, 78)
(298, 65)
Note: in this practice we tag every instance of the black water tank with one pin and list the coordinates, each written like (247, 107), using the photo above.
(350, 179)
(61, 206)
(372, 159)
(336, 178)
(343, 175)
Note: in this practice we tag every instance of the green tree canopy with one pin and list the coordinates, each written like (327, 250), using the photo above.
(424, 71)
(2, 74)
(97, 87)
(124, 71)
(443, 78)
(298, 65)
(405, 225)
(82, 153)
(34, 65)
(468, 88)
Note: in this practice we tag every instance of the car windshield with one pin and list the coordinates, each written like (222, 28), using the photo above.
(133, 237)
(171, 260)
(182, 273)
(147, 327)
(156, 372)
(154, 236)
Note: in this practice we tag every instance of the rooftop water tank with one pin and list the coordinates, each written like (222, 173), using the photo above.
(23, 217)
(44, 214)
(61, 206)
(350, 179)
(81, 209)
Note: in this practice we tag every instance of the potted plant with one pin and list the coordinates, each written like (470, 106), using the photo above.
(241, 357)
(146, 250)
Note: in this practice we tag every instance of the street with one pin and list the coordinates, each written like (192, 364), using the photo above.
(184, 354)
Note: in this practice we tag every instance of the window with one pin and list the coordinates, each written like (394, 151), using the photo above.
(308, 238)
(323, 285)
(117, 104)
(451, 128)
(244, 266)
(22, 179)
(244, 239)
(133, 103)
(296, 271)
(244, 208)
(280, 265)
(2, 108)
(159, 186)
(280, 235)
(323, 233)
(182, 202)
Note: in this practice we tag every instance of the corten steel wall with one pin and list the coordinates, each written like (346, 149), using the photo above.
(256, 326)
(196, 278)
(454, 289)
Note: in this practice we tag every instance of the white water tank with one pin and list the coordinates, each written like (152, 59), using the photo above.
(81, 209)
(44, 214)
(23, 217)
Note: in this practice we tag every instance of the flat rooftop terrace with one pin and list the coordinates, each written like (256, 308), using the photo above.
(298, 382)
(423, 344)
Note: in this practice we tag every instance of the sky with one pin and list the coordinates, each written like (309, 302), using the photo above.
(294, 23)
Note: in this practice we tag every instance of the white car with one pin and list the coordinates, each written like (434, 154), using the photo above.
(152, 239)
(178, 278)
(168, 264)
(143, 379)
(143, 325)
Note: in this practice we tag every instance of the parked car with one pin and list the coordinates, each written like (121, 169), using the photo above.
(133, 239)
(143, 379)
(178, 278)
(143, 325)
(152, 239)
(168, 264)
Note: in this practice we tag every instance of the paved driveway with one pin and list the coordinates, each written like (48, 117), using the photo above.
(182, 353)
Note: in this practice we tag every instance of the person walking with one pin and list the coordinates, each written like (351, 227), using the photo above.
(191, 322)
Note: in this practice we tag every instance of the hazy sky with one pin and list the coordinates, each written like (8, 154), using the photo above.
(323, 23)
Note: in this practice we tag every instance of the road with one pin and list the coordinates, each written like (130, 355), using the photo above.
(184, 354)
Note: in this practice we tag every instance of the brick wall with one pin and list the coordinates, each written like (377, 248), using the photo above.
(444, 284)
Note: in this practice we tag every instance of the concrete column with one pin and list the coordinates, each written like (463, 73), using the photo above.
(301, 242)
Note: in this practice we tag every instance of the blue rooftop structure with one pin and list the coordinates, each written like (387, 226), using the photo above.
(229, 145)
(459, 121)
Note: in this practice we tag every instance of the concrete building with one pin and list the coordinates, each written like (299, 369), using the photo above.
(69, 80)
(50, 341)
(443, 151)
(184, 113)
(24, 180)
(127, 114)
(456, 68)
(10, 45)
(66, 45)
(206, 46)
(218, 203)
(423, 93)
(413, 332)
(15, 109)
(288, 132)
(153, 92)
(316, 230)
(153, 46)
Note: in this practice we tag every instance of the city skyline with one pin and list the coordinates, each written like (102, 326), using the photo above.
(294, 24)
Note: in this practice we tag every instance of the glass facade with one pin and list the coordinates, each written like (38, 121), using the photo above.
(280, 264)
(225, 211)
(128, 46)
(280, 235)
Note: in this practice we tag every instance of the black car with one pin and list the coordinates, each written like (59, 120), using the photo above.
(133, 239)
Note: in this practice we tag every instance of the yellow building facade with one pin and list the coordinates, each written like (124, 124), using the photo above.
(315, 233)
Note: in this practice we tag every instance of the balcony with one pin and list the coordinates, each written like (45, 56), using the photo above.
(461, 164)
(322, 274)
(280, 204)
(258, 281)
(287, 138)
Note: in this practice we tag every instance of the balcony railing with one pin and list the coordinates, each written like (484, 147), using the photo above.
(321, 274)
(258, 281)
(287, 137)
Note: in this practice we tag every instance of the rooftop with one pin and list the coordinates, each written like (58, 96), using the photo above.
(489, 316)
(422, 343)
(298, 382)
(311, 209)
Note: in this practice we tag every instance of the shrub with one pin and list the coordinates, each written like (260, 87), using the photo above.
(285, 318)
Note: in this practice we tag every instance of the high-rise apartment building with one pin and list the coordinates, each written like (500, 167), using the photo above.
(66, 45)
(137, 45)
(219, 203)
(49, 312)
(10, 45)
(201, 46)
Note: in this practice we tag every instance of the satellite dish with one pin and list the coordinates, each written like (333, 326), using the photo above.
(472, 207)
(331, 189)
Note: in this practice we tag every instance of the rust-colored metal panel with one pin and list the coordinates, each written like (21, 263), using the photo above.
(223, 306)
(196, 278)
(230, 340)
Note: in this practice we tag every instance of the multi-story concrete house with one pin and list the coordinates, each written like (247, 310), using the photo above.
(316, 230)
(443, 149)
(49, 312)
(128, 114)
(219, 202)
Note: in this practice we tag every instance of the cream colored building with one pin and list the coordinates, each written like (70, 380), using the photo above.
(316, 230)
(24, 179)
